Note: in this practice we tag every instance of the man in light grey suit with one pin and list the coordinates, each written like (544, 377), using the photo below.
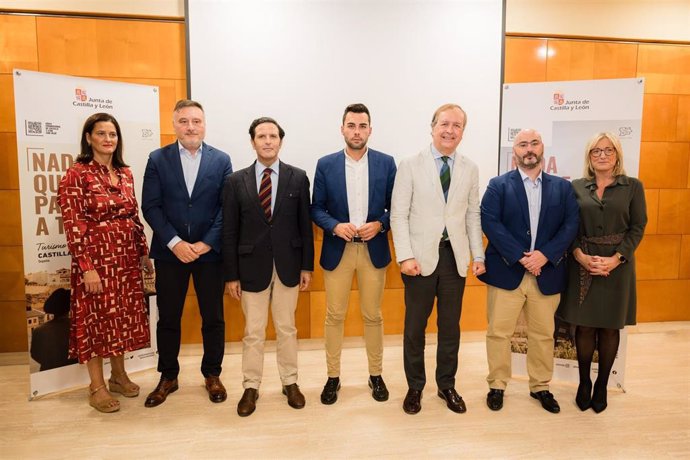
(437, 235)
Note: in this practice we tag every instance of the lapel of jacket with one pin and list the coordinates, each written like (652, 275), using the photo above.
(546, 184)
(515, 180)
(373, 171)
(176, 166)
(206, 160)
(430, 169)
(284, 178)
(340, 181)
(457, 175)
(249, 179)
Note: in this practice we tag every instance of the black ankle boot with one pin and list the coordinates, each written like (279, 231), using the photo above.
(584, 395)
(599, 398)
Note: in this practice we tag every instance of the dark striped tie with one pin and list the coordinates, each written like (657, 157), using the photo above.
(265, 192)
(445, 185)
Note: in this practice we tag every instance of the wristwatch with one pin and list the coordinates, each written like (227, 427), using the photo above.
(622, 259)
(383, 227)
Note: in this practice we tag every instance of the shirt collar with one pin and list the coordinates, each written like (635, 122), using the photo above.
(620, 180)
(437, 154)
(525, 176)
(184, 151)
(349, 158)
(274, 166)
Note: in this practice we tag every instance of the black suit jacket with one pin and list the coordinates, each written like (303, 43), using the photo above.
(252, 243)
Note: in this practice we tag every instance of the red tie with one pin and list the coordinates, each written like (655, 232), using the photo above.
(265, 192)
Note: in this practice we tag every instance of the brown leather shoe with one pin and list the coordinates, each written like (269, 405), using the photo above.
(160, 394)
(216, 390)
(413, 401)
(247, 404)
(453, 400)
(294, 396)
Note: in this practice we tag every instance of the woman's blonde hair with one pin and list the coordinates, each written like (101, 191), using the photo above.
(618, 169)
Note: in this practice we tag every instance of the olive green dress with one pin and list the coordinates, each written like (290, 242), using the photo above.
(613, 224)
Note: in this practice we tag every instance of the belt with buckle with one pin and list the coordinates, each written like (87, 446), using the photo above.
(356, 239)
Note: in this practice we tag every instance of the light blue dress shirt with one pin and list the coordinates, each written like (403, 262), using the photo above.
(533, 191)
(190, 170)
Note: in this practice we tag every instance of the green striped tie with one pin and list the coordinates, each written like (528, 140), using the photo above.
(445, 185)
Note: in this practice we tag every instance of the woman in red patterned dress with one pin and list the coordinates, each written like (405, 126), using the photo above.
(108, 247)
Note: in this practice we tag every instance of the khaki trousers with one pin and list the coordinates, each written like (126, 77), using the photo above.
(283, 303)
(338, 282)
(503, 310)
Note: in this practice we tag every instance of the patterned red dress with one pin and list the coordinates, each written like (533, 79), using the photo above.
(104, 233)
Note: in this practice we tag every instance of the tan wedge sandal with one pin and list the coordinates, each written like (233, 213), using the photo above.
(107, 405)
(128, 390)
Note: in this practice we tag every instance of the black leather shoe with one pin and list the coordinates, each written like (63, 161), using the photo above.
(247, 404)
(216, 390)
(378, 388)
(161, 392)
(583, 399)
(495, 399)
(599, 398)
(413, 401)
(453, 400)
(295, 397)
(547, 401)
(329, 395)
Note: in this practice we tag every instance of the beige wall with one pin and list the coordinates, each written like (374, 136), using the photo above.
(164, 8)
(663, 20)
(666, 20)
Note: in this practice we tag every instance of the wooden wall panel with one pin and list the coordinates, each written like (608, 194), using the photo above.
(674, 211)
(684, 272)
(525, 60)
(658, 257)
(7, 116)
(13, 333)
(664, 164)
(683, 122)
(9, 179)
(111, 48)
(665, 300)
(10, 223)
(17, 43)
(12, 280)
(659, 115)
(586, 60)
(666, 68)
(652, 200)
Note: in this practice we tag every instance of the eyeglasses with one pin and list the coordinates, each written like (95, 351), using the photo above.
(608, 151)
(523, 145)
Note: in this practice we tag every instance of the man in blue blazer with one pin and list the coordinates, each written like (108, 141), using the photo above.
(351, 203)
(530, 219)
(181, 201)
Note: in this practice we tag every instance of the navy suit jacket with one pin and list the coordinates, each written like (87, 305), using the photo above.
(169, 209)
(252, 244)
(329, 205)
(505, 222)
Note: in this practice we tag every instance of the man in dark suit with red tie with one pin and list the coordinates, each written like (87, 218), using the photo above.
(268, 257)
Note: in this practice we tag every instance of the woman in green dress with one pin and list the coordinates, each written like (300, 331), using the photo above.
(600, 299)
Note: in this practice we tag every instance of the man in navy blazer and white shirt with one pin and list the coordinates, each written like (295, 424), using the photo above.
(351, 203)
(437, 236)
(530, 219)
(181, 201)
